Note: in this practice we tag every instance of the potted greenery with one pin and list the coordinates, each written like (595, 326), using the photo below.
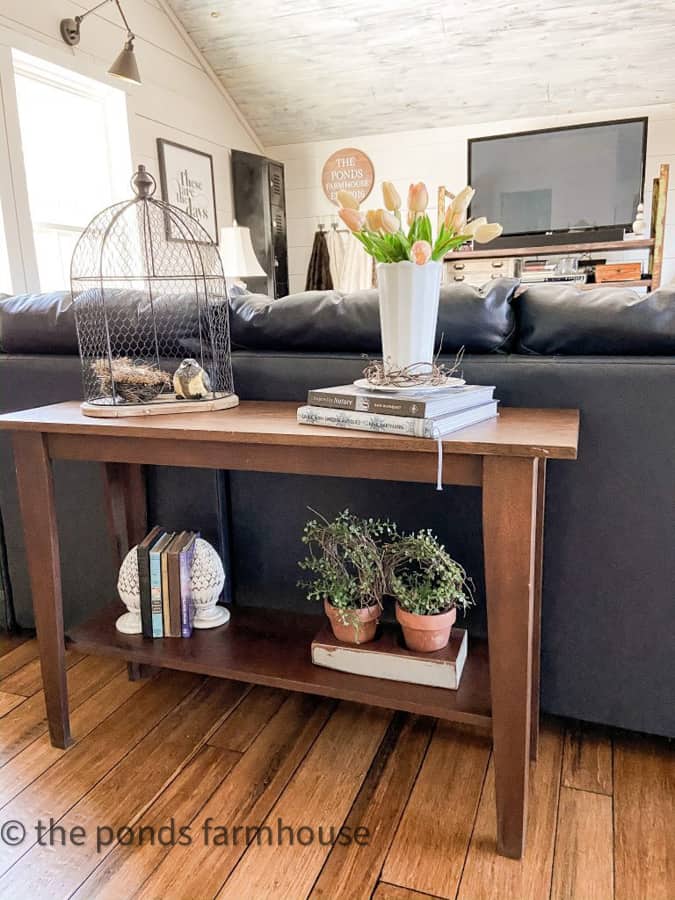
(428, 585)
(349, 573)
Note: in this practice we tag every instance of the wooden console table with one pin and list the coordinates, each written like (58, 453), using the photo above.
(506, 457)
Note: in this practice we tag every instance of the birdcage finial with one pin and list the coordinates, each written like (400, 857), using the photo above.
(143, 183)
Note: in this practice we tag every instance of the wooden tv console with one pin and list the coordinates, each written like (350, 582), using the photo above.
(506, 457)
(654, 243)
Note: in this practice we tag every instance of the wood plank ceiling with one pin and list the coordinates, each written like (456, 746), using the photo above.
(304, 70)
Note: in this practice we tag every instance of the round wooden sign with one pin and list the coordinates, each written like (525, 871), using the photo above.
(348, 170)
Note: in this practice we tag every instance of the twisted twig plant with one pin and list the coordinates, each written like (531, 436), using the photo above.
(346, 562)
(421, 373)
(423, 578)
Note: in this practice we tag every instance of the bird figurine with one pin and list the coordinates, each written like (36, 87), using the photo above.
(190, 381)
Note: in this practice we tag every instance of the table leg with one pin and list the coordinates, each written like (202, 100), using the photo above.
(536, 620)
(38, 514)
(126, 505)
(224, 500)
(127, 511)
(509, 527)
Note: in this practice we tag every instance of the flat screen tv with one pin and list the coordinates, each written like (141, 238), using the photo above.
(581, 181)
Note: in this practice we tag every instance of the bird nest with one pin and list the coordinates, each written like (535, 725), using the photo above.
(422, 374)
(134, 382)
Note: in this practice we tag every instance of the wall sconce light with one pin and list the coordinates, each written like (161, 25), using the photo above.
(124, 66)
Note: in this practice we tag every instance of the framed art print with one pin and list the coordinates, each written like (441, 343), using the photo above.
(186, 178)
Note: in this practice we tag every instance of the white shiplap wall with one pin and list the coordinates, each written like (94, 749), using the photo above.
(439, 156)
(177, 99)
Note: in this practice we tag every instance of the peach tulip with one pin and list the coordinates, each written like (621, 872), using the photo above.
(418, 197)
(374, 220)
(461, 202)
(455, 221)
(392, 200)
(471, 227)
(352, 218)
(411, 217)
(347, 200)
(487, 232)
(421, 252)
(390, 223)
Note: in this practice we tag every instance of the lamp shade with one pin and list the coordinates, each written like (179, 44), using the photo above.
(125, 66)
(237, 253)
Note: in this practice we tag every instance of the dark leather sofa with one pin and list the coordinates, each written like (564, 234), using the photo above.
(609, 582)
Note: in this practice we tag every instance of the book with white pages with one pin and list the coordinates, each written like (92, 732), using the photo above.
(404, 425)
(420, 405)
(387, 657)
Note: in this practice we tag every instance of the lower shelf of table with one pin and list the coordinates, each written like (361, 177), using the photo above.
(272, 647)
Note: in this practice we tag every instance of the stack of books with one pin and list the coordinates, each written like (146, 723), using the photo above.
(424, 414)
(536, 271)
(164, 577)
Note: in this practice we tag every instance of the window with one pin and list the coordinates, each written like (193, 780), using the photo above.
(75, 141)
(5, 274)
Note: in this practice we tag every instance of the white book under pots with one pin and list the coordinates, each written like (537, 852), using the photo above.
(387, 657)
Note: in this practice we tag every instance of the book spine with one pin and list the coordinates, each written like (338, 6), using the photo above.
(388, 406)
(312, 415)
(186, 604)
(173, 567)
(166, 615)
(156, 594)
(144, 589)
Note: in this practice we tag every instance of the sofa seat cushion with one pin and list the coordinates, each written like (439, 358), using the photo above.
(611, 321)
(480, 320)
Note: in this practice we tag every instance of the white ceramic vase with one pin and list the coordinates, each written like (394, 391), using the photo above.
(408, 312)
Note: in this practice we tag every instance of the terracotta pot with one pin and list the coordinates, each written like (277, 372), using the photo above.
(368, 619)
(426, 633)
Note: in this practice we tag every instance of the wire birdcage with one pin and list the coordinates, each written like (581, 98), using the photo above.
(151, 310)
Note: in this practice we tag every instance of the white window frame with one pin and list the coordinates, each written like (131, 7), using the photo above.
(13, 188)
(14, 199)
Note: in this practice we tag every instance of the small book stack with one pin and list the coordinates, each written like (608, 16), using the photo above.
(164, 566)
(425, 414)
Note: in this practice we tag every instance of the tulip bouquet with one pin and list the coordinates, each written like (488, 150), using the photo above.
(382, 233)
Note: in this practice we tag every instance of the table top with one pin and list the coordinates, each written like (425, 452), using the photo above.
(547, 433)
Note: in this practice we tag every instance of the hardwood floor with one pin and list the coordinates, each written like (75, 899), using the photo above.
(147, 801)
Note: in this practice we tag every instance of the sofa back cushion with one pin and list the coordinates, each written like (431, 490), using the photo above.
(480, 320)
(38, 323)
(45, 323)
(603, 321)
